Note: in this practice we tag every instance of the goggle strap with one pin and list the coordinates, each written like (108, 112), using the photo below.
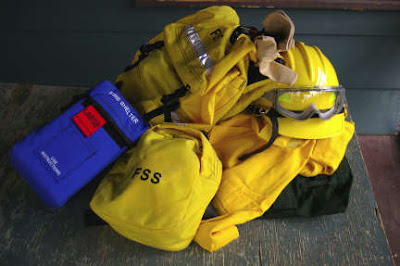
(308, 113)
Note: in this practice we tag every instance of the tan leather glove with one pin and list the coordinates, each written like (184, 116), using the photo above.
(278, 25)
(267, 52)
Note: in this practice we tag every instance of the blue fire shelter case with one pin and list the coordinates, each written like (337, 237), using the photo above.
(59, 158)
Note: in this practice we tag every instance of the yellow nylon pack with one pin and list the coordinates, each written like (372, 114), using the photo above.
(157, 192)
(193, 59)
(249, 187)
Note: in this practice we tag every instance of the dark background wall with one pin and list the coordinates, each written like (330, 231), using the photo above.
(82, 42)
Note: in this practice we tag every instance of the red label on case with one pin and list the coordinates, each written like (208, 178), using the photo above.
(89, 120)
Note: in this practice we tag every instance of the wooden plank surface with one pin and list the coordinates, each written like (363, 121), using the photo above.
(382, 157)
(32, 234)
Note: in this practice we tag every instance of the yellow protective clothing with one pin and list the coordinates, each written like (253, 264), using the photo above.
(157, 192)
(248, 188)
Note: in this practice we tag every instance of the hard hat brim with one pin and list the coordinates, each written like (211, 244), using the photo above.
(313, 128)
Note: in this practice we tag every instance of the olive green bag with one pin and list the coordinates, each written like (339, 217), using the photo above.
(314, 196)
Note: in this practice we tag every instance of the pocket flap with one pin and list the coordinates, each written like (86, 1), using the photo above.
(197, 42)
(65, 152)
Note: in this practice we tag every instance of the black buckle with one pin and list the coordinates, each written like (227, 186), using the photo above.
(252, 32)
(171, 101)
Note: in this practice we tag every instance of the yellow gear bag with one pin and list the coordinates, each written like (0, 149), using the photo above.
(250, 186)
(192, 62)
(158, 191)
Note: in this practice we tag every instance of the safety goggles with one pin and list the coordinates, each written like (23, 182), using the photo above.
(302, 103)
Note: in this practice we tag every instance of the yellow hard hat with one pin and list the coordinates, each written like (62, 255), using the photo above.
(313, 108)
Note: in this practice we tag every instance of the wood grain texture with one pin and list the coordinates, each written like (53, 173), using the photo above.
(33, 234)
(316, 4)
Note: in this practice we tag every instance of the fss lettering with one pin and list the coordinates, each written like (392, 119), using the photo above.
(146, 173)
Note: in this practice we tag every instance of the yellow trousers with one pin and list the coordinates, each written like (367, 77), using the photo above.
(248, 188)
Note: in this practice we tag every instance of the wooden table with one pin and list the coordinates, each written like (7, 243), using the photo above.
(33, 234)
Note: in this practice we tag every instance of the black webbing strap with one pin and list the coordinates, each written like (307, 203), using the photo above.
(272, 115)
(170, 103)
(145, 50)
(110, 126)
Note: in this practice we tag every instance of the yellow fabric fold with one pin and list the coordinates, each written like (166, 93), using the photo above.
(248, 188)
(324, 159)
